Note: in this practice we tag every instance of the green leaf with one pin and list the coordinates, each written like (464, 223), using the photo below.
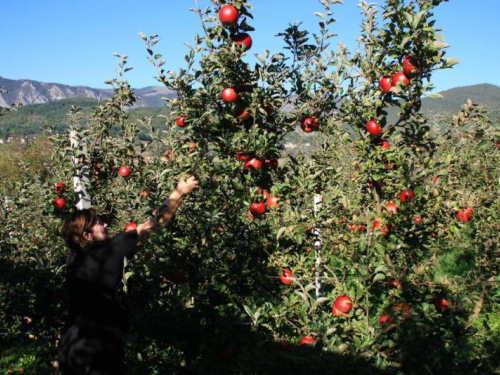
(452, 61)
(378, 277)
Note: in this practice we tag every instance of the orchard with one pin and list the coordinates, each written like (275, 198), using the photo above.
(375, 253)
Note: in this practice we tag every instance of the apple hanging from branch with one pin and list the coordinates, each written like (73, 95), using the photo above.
(228, 15)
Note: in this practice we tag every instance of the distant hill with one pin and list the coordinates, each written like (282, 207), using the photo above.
(484, 94)
(30, 120)
(29, 92)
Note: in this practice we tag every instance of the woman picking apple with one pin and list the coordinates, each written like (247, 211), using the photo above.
(91, 342)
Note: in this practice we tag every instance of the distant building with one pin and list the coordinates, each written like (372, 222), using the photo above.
(1, 141)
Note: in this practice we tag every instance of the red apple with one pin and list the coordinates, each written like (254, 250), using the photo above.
(373, 127)
(269, 109)
(181, 121)
(243, 39)
(405, 196)
(410, 66)
(241, 111)
(383, 231)
(59, 188)
(464, 214)
(124, 171)
(243, 156)
(130, 226)
(400, 77)
(253, 163)
(385, 83)
(402, 306)
(271, 163)
(192, 146)
(307, 340)
(442, 304)
(272, 201)
(391, 208)
(395, 284)
(386, 319)
(229, 95)
(309, 124)
(418, 220)
(257, 208)
(59, 203)
(385, 144)
(228, 15)
(342, 305)
(284, 277)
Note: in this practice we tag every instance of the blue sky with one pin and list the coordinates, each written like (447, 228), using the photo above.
(72, 41)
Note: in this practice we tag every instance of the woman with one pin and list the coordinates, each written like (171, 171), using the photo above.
(97, 322)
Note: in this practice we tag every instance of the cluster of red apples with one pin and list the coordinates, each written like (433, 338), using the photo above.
(59, 202)
(387, 82)
(228, 16)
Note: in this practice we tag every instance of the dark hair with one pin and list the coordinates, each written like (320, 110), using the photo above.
(76, 224)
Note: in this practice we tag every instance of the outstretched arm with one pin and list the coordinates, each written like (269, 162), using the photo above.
(168, 209)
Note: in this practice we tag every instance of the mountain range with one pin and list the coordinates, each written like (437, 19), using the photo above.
(29, 92)
(48, 103)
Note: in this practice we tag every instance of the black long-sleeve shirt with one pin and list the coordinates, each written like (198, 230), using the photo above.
(93, 278)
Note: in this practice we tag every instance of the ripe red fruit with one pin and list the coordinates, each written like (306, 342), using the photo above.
(229, 95)
(59, 203)
(391, 208)
(402, 306)
(418, 220)
(257, 208)
(269, 109)
(284, 277)
(395, 284)
(124, 171)
(342, 305)
(130, 226)
(271, 163)
(442, 304)
(307, 340)
(409, 66)
(386, 319)
(383, 231)
(272, 201)
(253, 163)
(228, 15)
(385, 83)
(400, 77)
(59, 188)
(309, 124)
(243, 156)
(241, 111)
(373, 127)
(243, 39)
(385, 144)
(464, 214)
(405, 196)
(192, 146)
(181, 121)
